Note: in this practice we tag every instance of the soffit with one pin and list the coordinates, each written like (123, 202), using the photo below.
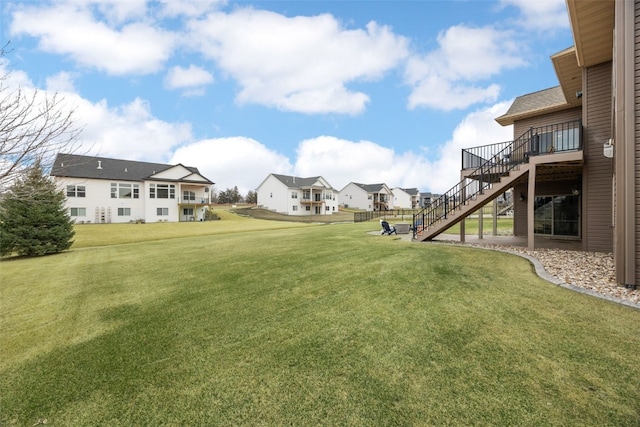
(569, 74)
(592, 25)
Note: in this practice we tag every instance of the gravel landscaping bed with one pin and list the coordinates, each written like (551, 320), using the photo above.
(591, 271)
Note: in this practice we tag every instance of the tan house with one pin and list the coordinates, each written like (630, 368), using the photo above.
(574, 163)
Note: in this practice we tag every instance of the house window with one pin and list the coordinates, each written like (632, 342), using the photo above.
(306, 195)
(308, 208)
(295, 208)
(189, 195)
(162, 191)
(162, 211)
(76, 191)
(294, 194)
(187, 211)
(124, 211)
(125, 191)
(78, 211)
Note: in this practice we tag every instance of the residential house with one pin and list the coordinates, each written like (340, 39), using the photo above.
(369, 197)
(427, 198)
(405, 198)
(293, 195)
(104, 190)
(574, 164)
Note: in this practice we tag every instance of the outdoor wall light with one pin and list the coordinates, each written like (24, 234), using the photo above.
(575, 191)
(523, 197)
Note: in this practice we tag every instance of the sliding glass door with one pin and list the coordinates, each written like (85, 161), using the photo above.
(557, 216)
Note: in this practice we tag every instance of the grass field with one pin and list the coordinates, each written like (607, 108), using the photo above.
(505, 226)
(251, 322)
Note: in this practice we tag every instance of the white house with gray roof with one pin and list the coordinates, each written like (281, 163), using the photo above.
(104, 190)
(292, 195)
(368, 197)
(406, 198)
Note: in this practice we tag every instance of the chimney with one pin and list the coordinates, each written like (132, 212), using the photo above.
(99, 164)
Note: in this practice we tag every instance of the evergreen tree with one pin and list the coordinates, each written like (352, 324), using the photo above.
(33, 218)
(252, 197)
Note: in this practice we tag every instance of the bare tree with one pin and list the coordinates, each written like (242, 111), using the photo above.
(34, 127)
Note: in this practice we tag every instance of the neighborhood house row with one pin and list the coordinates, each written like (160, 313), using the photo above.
(105, 190)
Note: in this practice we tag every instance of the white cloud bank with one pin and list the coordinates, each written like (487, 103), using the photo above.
(448, 78)
(301, 64)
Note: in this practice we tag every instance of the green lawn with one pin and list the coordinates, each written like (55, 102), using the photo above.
(302, 324)
(505, 226)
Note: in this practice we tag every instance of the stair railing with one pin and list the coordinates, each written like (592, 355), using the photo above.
(501, 163)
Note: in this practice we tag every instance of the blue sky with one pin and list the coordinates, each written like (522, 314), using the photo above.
(364, 91)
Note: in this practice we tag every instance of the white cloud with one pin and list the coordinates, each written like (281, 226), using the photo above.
(299, 64)
(541, 15)
(235, 161)
(173, 8)
(341, 161)
(448, 77)
(191, 77)
(72, 29)
(476, 129)
(61, 82)
(128, 131)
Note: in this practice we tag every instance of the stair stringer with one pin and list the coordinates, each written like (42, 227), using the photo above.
(473, 204)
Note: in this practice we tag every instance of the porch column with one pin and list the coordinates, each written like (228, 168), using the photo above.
(531, 192)
(481, 223)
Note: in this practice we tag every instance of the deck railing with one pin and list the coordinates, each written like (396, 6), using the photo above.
(554, 138)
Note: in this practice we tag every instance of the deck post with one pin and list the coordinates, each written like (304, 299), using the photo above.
(531, 192)
(495, 217)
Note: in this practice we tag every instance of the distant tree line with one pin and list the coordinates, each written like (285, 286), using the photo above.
(232, 196)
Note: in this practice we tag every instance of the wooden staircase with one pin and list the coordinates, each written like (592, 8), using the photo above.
(472, 204)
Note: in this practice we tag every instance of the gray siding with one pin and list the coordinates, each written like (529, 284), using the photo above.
(598, 170)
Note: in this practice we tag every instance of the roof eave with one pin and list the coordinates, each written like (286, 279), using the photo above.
(506, 120)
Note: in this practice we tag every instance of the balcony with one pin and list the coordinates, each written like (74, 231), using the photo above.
(193, 200)
(539, 141)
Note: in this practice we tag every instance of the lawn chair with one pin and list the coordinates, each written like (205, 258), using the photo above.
(387, 229)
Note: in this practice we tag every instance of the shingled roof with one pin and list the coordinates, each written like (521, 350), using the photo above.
(547, 100)
(370, 188)
(77, 166)
(297, 182)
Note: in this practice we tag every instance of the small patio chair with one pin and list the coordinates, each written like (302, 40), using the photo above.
(387, 229)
